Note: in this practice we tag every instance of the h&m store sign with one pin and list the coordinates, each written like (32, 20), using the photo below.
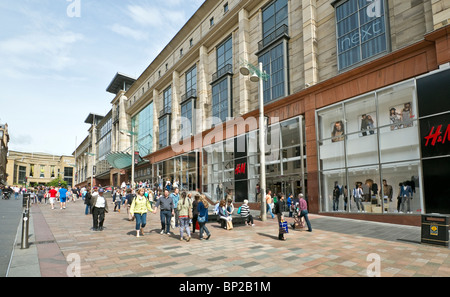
(434, 107)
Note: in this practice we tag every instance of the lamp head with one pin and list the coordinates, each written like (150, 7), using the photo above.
(244, 70)
(254, 78)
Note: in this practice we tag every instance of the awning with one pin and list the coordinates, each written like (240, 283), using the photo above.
(121, 160)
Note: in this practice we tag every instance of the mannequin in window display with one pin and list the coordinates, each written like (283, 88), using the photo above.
(399, 198)
(406, 194)
(387, 190)
(370, 124)
(364, 124)
(407, 115)
(394, 117)
(357, 196)
(338, 131)
(345, 197)
(337, 191)
(367, 190)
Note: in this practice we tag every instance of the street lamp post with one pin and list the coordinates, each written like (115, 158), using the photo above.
(132, 134)
(258, 75)
(93, 166)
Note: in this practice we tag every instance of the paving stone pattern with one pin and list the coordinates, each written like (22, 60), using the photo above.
(336, 247)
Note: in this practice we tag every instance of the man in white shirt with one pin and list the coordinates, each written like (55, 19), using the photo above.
(99, 208)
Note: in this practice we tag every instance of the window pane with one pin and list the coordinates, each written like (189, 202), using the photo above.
(407, 174)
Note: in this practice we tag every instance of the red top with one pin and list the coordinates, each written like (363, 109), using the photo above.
(52, 193)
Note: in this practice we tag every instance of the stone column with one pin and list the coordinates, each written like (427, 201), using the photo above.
(310, 42)
(243, 54)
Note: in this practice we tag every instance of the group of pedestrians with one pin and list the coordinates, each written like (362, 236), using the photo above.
(176, 211)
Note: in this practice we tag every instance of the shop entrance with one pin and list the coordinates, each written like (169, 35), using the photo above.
(286, 185)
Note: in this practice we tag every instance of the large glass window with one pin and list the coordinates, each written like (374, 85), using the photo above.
(220, 100)
(143, 127)
(361, 31)
(283, 163)
(274, 16)
(187, 123)
(364, 141)
(224, 53)
(274, 65)
(164, 131)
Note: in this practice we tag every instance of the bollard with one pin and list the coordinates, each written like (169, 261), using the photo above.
(25, 221)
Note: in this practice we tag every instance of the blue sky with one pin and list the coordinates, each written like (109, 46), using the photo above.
(57, 57)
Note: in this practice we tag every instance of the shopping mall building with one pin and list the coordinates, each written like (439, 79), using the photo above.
(355, 91)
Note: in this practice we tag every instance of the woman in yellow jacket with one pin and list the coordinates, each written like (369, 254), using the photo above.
(139, 208)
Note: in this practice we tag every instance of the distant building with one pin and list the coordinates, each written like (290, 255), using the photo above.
(32, 169)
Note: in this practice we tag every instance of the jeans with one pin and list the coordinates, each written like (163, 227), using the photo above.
(335, 204)
(269, 209)
(203, 228)
(359, 203)
(407, 201)
(304, 213)
(87, 210)
(141, 220)
(165, 216)
(184, 225)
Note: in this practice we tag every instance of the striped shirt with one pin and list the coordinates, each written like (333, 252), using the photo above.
(245, 210)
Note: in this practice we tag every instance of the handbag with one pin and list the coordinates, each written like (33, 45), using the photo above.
(201, 219)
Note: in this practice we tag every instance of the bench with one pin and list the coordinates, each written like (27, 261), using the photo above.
(237, 219)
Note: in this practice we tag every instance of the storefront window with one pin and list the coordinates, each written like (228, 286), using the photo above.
(225, 168)
(372, 145)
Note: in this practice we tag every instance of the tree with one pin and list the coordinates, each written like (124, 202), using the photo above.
(57, 182)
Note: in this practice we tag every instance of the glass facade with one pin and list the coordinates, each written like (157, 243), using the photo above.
(181, 170)
(223, 163)
(361, 31)
(143, 127)
(371, 141)
(104, 142)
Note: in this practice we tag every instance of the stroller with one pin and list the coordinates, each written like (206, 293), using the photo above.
(298, 221)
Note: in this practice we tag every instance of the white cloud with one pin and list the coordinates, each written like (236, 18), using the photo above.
(129, 32)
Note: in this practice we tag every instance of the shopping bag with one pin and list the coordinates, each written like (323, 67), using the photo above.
(284, 227)
(229, 225)
(172, 222)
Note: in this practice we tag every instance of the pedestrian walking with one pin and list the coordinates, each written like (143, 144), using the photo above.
(203, 215)
(195, 212)
(52, 196)
(175, 198)
(62, 197)
(269, 202)
(304, 211)
(99, 209)
(139, 208)
(87, 201)
(128, 201)
(165, 204)
(185, 215)
(117, 200)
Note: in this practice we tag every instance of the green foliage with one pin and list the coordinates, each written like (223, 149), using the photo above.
(57, 182)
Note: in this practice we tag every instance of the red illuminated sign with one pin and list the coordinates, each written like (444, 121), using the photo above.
(240, 168)
(436, 136)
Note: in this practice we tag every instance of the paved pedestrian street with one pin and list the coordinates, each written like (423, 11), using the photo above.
(336, 247)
